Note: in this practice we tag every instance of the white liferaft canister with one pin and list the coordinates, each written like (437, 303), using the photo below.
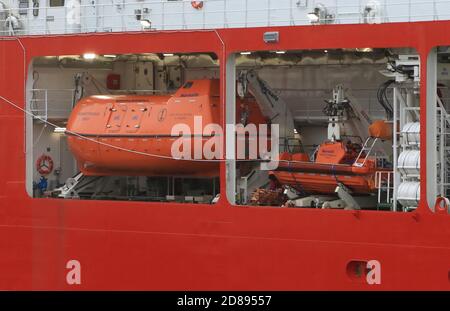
(409, 163)
(408, 193)
(411, 133)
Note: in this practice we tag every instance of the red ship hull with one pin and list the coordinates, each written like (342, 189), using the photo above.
(155, 246)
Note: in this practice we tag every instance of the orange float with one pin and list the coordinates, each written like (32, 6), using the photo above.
(44, 164)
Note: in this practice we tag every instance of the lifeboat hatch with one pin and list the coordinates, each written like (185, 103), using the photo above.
(117, 114)
(134, 116)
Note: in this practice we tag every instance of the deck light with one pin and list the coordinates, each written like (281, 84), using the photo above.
(60, 130)
(89, 56)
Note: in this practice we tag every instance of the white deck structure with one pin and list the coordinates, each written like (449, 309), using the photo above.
(38, 17)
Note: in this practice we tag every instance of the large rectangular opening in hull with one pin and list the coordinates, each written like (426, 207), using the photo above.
(101, 127)
(349, 129)
(438, 128)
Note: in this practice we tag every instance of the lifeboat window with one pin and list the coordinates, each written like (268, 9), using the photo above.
(56, 3)
(188, 85)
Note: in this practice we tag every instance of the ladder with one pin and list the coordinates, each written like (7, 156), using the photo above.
(384, 182)
(368, 146)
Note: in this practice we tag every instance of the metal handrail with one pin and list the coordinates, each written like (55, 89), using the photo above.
(40, 99)
(387, 186)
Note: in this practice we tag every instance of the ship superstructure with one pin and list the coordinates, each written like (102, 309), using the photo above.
(46, 17)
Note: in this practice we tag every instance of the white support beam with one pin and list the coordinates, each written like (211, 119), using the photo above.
(431, 132)
(29, 139)
(395, 146)
(230, 120)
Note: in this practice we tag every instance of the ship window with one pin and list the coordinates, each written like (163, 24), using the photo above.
(317, 129)
(357, 270)
(56, 3)
(120, 141)
(437, 137)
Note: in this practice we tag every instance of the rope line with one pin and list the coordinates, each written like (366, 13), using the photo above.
(118, 147)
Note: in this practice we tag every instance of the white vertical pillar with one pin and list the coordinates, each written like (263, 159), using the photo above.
(29, 160)
(395, 144)
(230, 120)
(431, 132)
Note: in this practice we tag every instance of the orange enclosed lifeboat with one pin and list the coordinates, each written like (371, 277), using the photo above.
(129, 135)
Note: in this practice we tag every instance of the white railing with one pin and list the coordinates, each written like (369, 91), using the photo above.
(51, 104)
(311, 108)
(176, 15)
(443, 126)
(58, 103)
(384, 182)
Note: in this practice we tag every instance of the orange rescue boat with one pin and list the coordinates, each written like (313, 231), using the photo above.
(334, 164)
